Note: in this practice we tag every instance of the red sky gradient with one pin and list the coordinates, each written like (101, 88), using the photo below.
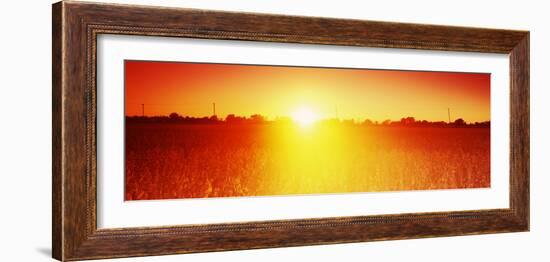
(190, 89)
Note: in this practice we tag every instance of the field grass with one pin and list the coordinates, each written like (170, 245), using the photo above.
(169, 161)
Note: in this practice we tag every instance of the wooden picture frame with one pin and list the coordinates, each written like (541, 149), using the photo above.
(76, 26)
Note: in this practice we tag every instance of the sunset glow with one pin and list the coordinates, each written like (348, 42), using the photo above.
(203, 130)
(276, 91)
(304, 116)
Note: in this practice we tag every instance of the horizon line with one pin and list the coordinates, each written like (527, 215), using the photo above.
(287, 117)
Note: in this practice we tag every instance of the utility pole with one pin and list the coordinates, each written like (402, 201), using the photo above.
(214, 109)
(449, 114)
(142, 109)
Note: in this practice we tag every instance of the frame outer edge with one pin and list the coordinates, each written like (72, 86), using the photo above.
(520, 130)
(72, 174)
(57, 129)
(72, 240)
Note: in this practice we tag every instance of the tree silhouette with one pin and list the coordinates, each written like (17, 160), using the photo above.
(460, 122)
(174, 116)
(408, 120)
(256, 118)
(368, 122)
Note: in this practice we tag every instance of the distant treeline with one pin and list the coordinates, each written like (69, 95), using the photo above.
(259, 119)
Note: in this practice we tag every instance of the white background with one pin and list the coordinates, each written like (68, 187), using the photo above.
(25, 136)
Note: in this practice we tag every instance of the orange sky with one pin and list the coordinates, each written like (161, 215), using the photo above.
(190, 89)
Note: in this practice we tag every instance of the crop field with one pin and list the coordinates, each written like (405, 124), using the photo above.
(174, 160)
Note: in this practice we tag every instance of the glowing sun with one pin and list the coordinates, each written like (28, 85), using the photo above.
(304, 116)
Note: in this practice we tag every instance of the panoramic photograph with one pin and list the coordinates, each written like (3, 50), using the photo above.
(209, 130)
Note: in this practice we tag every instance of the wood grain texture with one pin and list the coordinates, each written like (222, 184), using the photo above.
(519, 129)
(76, 26)
(57, 202)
